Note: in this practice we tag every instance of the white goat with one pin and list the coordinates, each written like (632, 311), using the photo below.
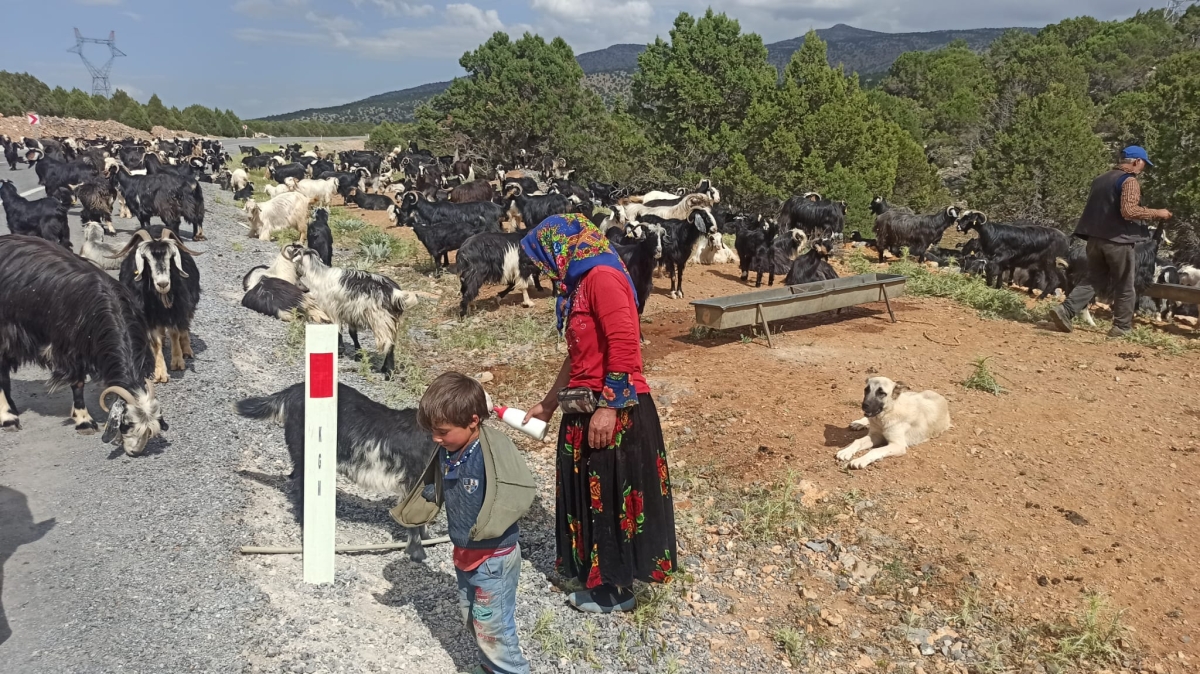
(286, 211)
(679, 208)
(320, 190)
(357, 299)
(238, 179)
(96, 251)
(275, 190)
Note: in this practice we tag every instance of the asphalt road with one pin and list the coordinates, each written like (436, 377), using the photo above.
(117, 564)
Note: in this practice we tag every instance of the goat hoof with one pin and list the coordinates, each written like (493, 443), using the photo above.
(527, 305)
(161, 378)
(86, 428)
(417, 555)
(13, 424)
(199, 237)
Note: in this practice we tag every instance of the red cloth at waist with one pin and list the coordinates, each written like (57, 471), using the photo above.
(469, 559)
(603, 332)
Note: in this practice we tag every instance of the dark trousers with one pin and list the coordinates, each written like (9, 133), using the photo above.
(1111, 268)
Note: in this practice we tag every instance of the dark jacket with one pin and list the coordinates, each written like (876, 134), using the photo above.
(1102, 217)
(508, 493)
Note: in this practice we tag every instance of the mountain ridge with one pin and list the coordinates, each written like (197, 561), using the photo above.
(607, 71)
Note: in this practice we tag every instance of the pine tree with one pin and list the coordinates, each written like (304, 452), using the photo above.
(135, 116)
(1040, 167)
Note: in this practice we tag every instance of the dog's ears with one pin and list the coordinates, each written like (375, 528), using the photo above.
(900, 387)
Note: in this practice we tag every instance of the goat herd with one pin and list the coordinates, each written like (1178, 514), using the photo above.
(63, 311)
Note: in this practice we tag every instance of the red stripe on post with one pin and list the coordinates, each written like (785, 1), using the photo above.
(320, 375)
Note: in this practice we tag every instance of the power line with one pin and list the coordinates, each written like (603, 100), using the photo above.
(99, 75)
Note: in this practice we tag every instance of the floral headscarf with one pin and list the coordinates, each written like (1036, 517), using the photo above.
(565, 248)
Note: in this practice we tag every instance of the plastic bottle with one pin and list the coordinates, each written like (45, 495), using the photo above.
(536, 428)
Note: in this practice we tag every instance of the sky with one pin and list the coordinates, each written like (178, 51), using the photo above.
(262, 57)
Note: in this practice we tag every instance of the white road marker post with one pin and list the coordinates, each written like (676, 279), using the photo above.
(320, 451)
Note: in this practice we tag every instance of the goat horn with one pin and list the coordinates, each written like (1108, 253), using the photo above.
(142, 234)
(170, 234)
(119, 391)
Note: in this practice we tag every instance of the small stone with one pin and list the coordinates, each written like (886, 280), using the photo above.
(739, 573)
(864, 662)
(830, 618)
(484, 377)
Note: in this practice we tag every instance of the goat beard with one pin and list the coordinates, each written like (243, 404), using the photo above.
(167, 299)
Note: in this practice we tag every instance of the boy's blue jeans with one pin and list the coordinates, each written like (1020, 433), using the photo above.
(487, 598)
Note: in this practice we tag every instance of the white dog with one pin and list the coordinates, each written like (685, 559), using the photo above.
(897, 419)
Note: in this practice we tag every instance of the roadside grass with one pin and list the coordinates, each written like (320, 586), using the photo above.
(1094, 637)
(973, 291)
(502, 330)
(982, 379)
(773, 512)
(292, 347)
(792, 643)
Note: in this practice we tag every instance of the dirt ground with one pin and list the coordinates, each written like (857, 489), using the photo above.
(1082, 477)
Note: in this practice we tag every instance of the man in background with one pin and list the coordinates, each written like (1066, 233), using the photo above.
(1110, 226)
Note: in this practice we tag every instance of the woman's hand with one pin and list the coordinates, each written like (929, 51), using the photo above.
(543, 410)
(600, 431)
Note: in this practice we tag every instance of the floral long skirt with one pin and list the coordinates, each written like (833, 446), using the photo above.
(615, 516)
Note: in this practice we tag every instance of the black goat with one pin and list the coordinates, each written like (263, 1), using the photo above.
(679, 240)
(483, 215)
(371, 202)
(494, 257)
(775, 255)
(12, 154)
(160, 270)
(278, 298)
(817, 217)
(245, 193)
(812, 266)
(1010, 246)
(751, 233)
(56, 175)
(569, 189)
(897, 228)
(641, 255)
(96, 197)
(93, 327)
(279, 173)
(533, 209)
(320, 238)
(45, 218)
(170, 197)
(378, 448)
(474, 191)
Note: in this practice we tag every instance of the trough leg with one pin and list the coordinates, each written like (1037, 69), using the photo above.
(887, 302)
(766, 328)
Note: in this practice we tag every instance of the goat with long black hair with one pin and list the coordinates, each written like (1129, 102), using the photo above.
(160, 270)
(93, 328)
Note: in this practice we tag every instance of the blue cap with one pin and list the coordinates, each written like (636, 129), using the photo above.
(1136, 152)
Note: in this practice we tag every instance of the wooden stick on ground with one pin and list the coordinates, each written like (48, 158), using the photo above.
(252, 550)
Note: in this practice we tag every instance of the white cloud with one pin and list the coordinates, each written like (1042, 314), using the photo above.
(268, 8)
(636, 12)
(133, 15)
(459, 28)
(398, 8)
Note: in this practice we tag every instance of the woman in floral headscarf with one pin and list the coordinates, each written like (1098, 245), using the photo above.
(615, 517)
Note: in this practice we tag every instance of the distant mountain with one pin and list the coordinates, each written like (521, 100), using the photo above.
(608, 70)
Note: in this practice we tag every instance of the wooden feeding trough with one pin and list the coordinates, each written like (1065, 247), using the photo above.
(1174, 292)
(760, 306)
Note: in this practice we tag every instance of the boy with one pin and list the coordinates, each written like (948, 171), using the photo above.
(486, 487)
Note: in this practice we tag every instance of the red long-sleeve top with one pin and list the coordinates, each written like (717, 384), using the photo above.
(603, 336)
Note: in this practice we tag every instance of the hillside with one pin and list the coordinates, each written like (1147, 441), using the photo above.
(608, 70)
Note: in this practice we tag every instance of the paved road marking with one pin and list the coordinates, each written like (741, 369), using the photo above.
(26, 193)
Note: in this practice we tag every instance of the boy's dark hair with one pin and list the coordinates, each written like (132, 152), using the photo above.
(452, 398)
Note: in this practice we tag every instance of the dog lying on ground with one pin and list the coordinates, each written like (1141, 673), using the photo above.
(896, 419)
